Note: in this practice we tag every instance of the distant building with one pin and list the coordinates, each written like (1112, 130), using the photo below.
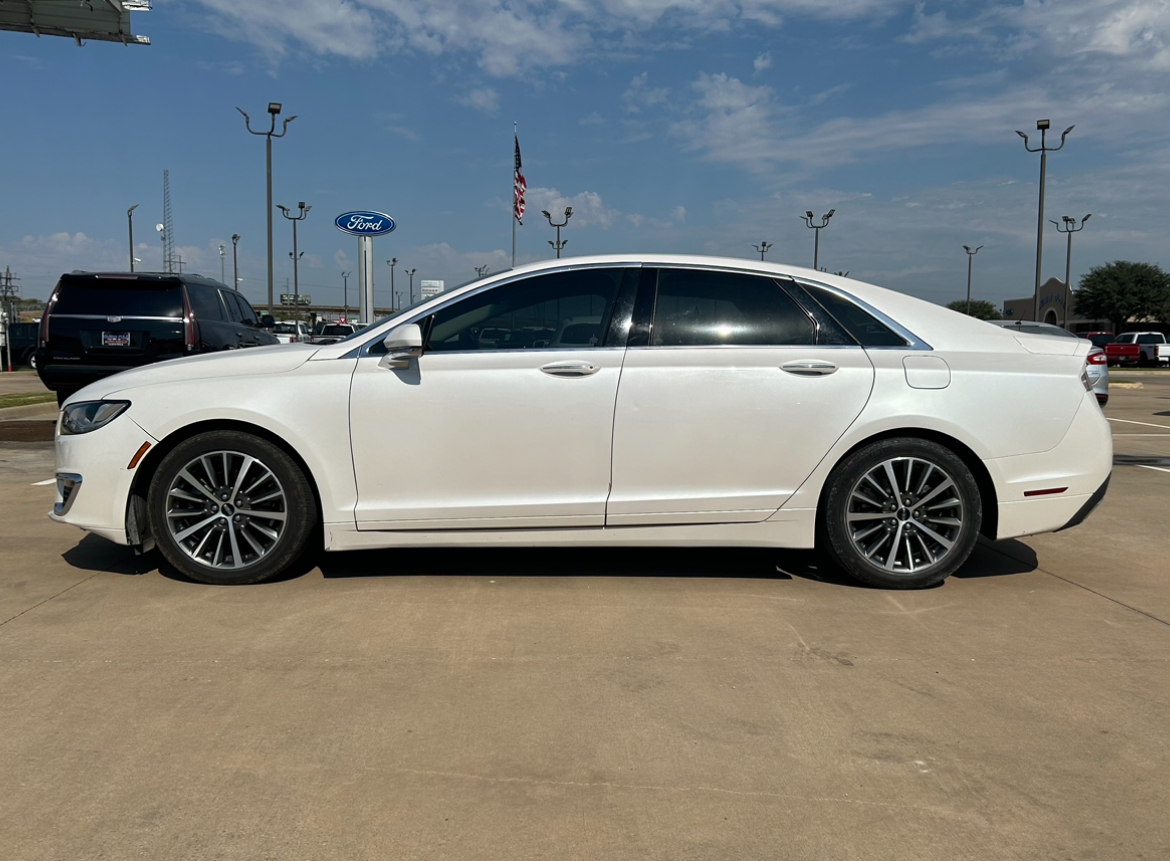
(1052, 309)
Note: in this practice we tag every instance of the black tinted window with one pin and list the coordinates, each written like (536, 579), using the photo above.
(1151, 339)
(865, 328)
(559, 310)
(338, 330)
(1101, 340)
(249, 316)
(235, 312)
(696, 309)
(122, 297)
(205, 302)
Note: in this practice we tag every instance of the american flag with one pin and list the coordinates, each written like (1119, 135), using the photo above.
(519, 186)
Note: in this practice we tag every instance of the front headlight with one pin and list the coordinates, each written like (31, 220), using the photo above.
(88, 416)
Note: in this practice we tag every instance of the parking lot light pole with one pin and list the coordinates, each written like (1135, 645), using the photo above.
(970, 256)
(481, 271)
(807, 218)
(392, 262)
(558, 245)
(273, 110)
(235, 261)
(1042, 126)
(1070, 227)
(345, 290)
(763, 247)
(130, 226)
(303, 214)
(222, 263)
(411, 272)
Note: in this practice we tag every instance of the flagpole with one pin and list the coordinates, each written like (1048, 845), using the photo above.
(513, 208)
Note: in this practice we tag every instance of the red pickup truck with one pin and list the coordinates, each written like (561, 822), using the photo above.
(1117, 354)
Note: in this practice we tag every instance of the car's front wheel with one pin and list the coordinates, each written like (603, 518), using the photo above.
(902, 513)
(230, 508)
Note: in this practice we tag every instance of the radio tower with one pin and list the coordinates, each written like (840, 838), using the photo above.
(168, 225)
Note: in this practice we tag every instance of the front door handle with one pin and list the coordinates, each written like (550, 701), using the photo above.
(570, 369)
(809, 367)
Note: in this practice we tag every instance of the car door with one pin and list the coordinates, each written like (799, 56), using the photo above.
(507, 431)
(214, 328)
(240, 333)
(728, 399)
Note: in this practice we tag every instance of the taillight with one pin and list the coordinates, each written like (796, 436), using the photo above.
(1098, 359)
(190, 326)
(293, 339)
(44, 331)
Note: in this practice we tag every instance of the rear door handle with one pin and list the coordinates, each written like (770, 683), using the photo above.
(570, 369)
(809, 368)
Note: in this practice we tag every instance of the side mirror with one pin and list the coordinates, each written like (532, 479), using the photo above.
(267, 321)
(402, 343)
(402, 339)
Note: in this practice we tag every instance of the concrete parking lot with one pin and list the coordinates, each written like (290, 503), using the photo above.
(604, 704)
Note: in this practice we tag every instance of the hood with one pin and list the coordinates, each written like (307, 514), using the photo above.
(275, 359)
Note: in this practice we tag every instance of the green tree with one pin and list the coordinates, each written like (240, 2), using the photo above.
(980, 309)
(1122, 290)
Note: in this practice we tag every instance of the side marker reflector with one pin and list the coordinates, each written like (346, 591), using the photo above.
(1048, 492)
(138, 455)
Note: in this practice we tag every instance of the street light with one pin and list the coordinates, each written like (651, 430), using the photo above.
(411, 272)
(970, 256)
(1042, 126)
(130, 225)
(345, 288)
(558, 245)
(392, 262)
(235, 261)
(1070, 227)
(304, 213)
(222, 263)
(273, 110)
(763, 247)
(808, 220)
(481, 271)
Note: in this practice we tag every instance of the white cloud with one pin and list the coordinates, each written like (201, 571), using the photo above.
(640, 95)
(588, 210)
(483, 99)
(679, 213)
(506, 39)
(594, 119)
(763, 61)
(735, 122)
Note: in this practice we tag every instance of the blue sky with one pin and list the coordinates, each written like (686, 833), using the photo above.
(669, 125)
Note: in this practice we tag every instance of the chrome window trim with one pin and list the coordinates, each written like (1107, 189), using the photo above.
(748, 347)
(363, 350)
(106, 317)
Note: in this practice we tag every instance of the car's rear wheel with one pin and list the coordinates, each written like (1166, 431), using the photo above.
(230, 508)
(902, 513)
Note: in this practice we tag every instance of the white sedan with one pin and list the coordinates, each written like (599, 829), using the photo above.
(704, 402)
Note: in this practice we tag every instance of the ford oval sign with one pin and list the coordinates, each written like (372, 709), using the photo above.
(364, 223)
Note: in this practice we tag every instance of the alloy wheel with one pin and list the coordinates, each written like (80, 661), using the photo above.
(904, 515)
(226, 509)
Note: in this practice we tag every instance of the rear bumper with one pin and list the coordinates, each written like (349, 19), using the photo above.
(1080, 464)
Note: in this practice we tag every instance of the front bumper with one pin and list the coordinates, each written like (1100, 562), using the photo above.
(94, 478)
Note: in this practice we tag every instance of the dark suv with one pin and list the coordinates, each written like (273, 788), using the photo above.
(100, 323)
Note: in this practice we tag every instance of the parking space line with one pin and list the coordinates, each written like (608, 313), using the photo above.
(1147, 424)
(47, 481)
(1147, 466)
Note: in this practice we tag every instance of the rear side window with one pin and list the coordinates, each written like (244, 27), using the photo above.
(235, 311)
(205, 302)
(865, 328)
(121, 297)
(702, 309)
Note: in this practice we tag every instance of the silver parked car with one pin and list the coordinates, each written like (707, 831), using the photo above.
(1098, 363)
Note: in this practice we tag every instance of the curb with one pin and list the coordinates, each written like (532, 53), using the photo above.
(30, 411)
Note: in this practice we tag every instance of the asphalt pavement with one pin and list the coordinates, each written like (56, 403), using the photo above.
(549, 704)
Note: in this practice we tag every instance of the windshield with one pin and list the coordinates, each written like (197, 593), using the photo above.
(285, 329)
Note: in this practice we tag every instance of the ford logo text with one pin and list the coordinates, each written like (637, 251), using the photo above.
(364, 223)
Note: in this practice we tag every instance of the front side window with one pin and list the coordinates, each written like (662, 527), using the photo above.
(560, 310)
(697, 308)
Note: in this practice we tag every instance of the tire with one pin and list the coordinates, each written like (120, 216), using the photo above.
(883, 541)
(230, 508)
(30, 358)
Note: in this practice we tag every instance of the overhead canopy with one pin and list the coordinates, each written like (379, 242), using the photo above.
(104, 20)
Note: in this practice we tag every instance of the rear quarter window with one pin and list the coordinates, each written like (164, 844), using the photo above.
(865, 328)
(121, 297)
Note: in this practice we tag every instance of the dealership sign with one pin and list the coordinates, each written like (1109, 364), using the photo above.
(364, 223)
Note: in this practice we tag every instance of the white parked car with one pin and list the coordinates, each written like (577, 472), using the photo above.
(291, 331)
(1096, 362)
(1154, 347)
(726, 402)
